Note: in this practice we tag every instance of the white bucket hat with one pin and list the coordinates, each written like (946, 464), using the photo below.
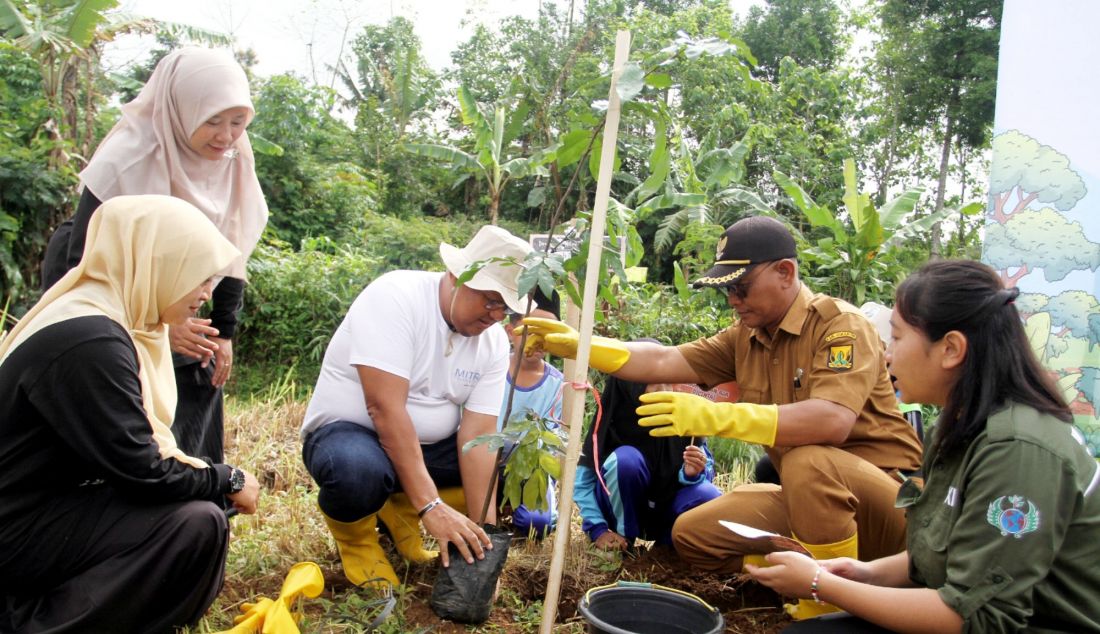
(490, 242)
(879, 315)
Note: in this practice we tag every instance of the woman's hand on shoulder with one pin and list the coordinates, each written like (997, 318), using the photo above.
(247, 498)
(189, 338)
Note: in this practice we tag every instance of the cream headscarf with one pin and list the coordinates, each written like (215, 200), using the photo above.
(143, 254)
(148, 150)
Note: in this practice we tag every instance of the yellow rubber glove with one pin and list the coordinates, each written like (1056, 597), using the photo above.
(683, 414)
(274, 617)
(561, 340)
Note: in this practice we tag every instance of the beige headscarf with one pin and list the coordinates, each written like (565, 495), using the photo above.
(148, 150)
(143, 254)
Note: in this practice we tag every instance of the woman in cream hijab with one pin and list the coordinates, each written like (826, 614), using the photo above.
(105, 525)
(184, 136)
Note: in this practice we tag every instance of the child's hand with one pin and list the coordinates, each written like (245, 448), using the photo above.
(695, 460)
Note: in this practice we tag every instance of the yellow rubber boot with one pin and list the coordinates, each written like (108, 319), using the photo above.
(455, 498)
(361, 555)
(400, 518)
(753, 559)
(808, 608)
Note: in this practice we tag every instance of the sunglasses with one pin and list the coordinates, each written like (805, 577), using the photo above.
(740, 289)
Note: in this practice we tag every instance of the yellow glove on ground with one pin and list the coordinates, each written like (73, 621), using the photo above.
(683, 414)
(561, 340)
(274, 617)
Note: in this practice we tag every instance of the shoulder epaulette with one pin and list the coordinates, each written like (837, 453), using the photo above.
(825, 306)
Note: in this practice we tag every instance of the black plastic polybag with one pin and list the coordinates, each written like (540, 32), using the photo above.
(464, 592)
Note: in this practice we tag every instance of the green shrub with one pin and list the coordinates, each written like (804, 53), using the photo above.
(295, 300)
(413, 243)
(662, 313)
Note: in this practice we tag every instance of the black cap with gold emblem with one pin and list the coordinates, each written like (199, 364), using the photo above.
(745, 244)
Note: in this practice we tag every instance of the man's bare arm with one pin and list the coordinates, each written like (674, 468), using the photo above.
(476, 464)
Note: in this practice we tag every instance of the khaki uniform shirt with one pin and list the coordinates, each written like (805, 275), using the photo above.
(1008, 530)
(823, 349)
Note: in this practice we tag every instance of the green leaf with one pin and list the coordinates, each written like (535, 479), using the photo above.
(472, 116)
(973, 209)
(12, 22)
(818, 216)
(894, 211)
(538, 275)
(513, 491)
(551, 439)
(683, 291)
(455, 156)
(739, 197)
(516, 121)
(533, 494)
(659, 163)
(86, 17)
(594, 158)
(536, 196)
(630, 82)
(573, 144)
(851, 194)
(659, 81)
(263, 146)
(550, 465)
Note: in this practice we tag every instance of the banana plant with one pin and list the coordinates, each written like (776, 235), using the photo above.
(64, 36)
(855, 257)
(493, 135)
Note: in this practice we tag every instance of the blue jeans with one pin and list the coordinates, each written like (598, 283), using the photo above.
(356, 476)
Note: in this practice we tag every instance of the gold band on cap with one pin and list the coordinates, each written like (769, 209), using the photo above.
(733, 262)
(725, 279)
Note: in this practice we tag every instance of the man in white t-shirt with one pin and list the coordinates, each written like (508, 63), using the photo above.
(416, 369)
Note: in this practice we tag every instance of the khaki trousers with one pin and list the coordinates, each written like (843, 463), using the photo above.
(827, 495)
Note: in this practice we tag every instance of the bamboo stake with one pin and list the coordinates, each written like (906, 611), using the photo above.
(574, 399)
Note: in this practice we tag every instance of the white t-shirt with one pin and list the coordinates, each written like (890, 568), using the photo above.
(395, 325)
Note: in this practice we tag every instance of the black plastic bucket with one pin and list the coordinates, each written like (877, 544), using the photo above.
(643, 608)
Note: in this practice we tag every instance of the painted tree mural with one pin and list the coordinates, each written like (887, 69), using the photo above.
(1032, 186)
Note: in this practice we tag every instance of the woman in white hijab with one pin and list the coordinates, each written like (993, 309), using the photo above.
(184, 136)
(105, 525)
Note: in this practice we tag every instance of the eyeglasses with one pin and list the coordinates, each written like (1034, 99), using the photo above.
(741, 289)
(492, 305)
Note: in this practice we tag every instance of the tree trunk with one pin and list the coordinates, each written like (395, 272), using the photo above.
(494, 205)
(69, 104)
(89, 107)
(935, 247)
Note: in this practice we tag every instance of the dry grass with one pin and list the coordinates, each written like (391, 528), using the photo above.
(262, 436)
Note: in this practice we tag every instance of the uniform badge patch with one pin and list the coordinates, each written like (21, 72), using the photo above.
(838, 334)
(841, 357)
(1019, 517)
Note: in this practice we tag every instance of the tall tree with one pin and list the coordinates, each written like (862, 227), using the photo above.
(945, 56)
(393, 91)
(65, 37)
(807, 31)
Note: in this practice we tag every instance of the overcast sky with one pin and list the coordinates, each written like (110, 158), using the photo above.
(305, 36)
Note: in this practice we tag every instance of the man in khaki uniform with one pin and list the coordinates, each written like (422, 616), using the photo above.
(814, 391)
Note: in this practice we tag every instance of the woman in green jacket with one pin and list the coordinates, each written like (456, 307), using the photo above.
(1005, 535)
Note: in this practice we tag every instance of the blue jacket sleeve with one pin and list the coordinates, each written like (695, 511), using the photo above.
(584, 496)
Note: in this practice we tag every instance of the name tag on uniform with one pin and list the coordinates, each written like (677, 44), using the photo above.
(952, 497)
